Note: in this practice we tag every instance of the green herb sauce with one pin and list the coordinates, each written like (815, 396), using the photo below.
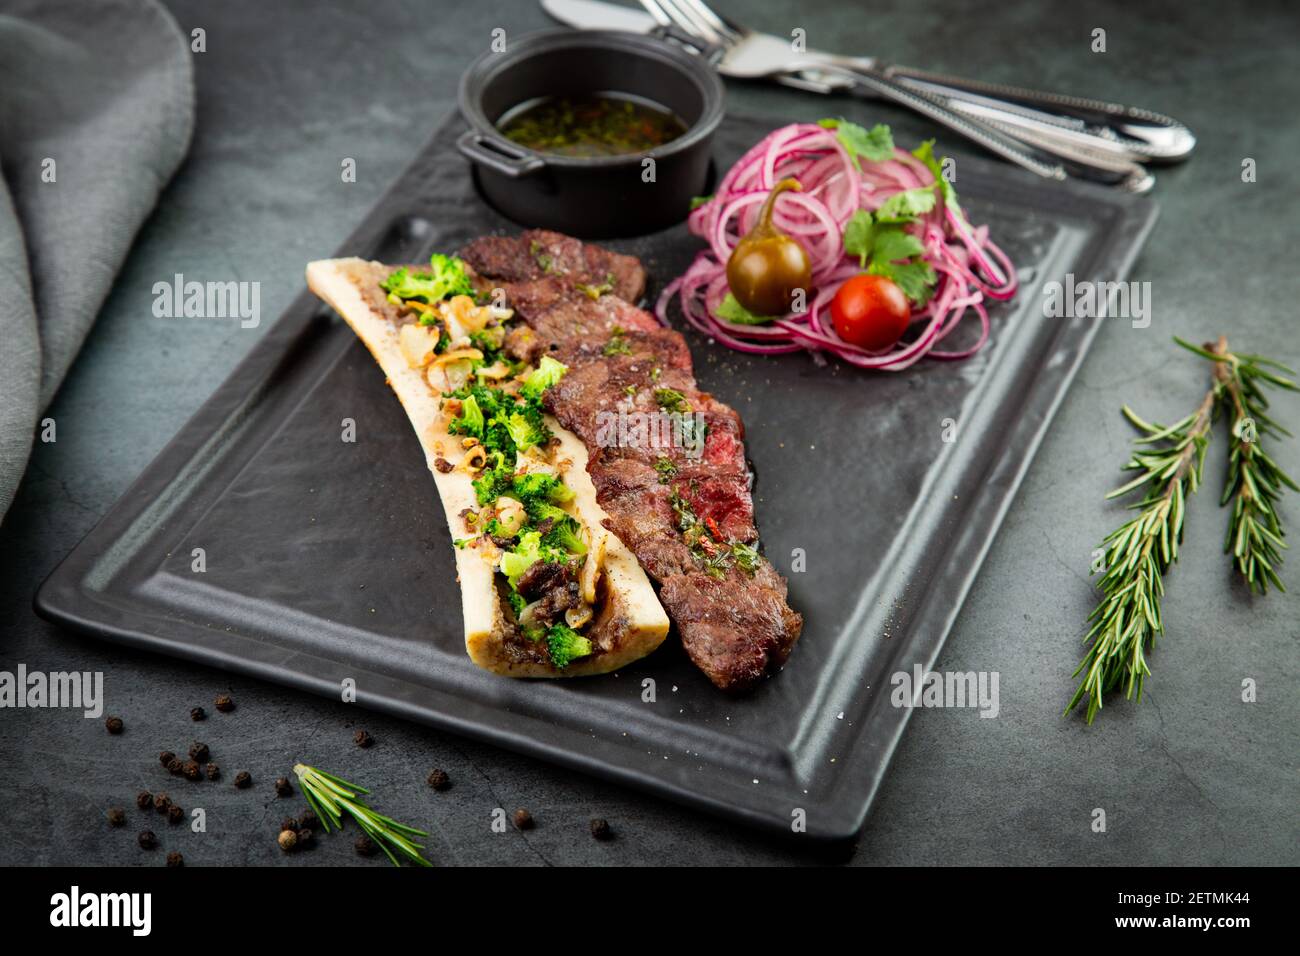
(590, 125)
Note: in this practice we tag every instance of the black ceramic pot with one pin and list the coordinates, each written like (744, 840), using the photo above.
(595, 197)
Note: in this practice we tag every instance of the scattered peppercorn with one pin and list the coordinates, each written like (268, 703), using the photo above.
(523, 820)
(305, 837)
(166, 757)
(113, 725)
(308, 821)
(243, 779)
(199, 752)
(282, 787)
(213, 771)
(288, 823)
(175, 814)
(600, 829)
(176, 766)
(116, 816)
(191, 770)
(198, 713)
(365, 846)
(161, 802)
(287, 840)
(144, 799)
(147, 840)
(225, 704)
(362, 739)
(439, 780)
(175, 859)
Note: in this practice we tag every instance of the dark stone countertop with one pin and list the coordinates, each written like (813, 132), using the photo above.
(285, 90)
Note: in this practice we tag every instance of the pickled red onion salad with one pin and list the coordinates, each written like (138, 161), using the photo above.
(863, 206)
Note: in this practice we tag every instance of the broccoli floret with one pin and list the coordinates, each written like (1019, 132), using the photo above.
(527, 429)
(547, 373)
(566, 533)
(517, 603)
(539, 509)
(446, 278)
(470, 419)
(524, 556)
(495, 481)
(537, 486)
(566, 645)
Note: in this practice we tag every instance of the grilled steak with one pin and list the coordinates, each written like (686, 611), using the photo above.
(682, 506)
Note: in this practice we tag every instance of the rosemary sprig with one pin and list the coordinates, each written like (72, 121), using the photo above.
(1137, 555)
(1254, 481)
(330, 797)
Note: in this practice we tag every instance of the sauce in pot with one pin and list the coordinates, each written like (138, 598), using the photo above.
(594, 124)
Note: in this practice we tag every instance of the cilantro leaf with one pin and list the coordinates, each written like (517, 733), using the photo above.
(876, 144)
(906, 205)
(732, 311)
(925, 153)
(894, 243)
(860, 236)
(916, 279)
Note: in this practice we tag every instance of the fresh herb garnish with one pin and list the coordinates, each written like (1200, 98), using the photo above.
(671, 400)
(1137, 555)
(331, 797)
(886, 248)
(1254, 481)
(666, 470)
(731, 310)
(617, 344)
(594, 292)
(876, 144)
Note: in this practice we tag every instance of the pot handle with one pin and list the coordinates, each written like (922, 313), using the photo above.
(506, 161)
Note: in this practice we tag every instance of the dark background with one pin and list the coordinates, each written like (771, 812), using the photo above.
(286, 90)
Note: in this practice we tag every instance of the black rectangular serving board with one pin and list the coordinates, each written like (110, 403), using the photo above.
(328, 560)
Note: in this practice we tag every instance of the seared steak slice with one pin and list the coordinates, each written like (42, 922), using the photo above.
(684, 509)
(539, 253)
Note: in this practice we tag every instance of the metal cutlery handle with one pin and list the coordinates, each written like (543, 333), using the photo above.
(992, 139)
(1144, 133)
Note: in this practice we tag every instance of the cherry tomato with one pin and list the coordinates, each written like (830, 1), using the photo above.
(870, 312)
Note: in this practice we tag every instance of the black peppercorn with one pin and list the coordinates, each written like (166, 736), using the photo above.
(225, 704)
(161, 802)
(305, 837)
(523, 820)
(362, 739)
(213, 771)
(116, 816)
(198, 713)
(166, 757)
(282, 787)
(365, 846)
(308, 821)
(176, 766)
(199, 752)
(175, 814)
(175, 859)
(243, 779)
(147, 840)
(288, 823)
(439, 780)
(144, 799)
(191, 770)
(113, 725)
(600, 829)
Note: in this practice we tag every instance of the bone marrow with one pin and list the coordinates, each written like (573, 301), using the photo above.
(547, 588)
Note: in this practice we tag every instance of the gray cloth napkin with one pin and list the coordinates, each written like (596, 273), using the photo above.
(105, 89)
